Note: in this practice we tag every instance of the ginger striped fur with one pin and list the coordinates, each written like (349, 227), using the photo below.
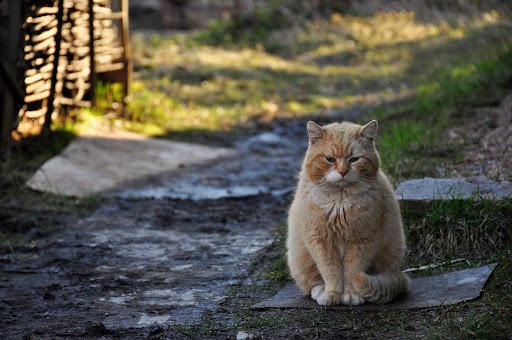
(345, 240)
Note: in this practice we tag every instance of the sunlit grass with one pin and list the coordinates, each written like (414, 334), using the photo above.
(376, 66)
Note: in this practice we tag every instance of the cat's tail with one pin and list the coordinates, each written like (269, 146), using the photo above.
(383, 287)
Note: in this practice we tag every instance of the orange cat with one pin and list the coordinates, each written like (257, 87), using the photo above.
(345, 238)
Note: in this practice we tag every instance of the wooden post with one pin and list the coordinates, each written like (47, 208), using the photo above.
(51, 99)
(10, 105)
(125, 38)
(92, 77)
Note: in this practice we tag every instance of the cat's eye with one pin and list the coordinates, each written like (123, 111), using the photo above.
(353, 159)
(330, 159)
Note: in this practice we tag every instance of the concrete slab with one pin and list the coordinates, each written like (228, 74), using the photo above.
(103, 160)
(439, 290)
(452, 188)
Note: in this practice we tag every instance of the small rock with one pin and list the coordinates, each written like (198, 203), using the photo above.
(243, 336)
(266, 138)
(263, 142)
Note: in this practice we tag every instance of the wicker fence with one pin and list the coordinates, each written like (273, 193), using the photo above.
(52, 53)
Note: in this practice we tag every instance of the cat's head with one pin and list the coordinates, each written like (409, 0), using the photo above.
(341, 154)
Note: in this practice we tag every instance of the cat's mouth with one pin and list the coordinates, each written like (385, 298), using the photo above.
(342, 183)
(335, 177)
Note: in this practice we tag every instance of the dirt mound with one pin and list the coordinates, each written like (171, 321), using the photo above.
(487, 140)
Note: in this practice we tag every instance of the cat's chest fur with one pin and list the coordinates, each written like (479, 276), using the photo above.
(343, 208)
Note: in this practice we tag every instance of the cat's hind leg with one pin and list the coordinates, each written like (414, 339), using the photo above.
(304, 271)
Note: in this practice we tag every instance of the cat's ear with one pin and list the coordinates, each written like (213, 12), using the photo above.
(369, 130)
(315, 132)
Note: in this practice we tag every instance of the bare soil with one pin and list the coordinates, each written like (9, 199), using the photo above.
(487, 142)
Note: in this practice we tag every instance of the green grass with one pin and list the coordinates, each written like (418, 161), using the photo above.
(474, 229)
(244, 30)
(277, 269)
(454, 86)
(380, 65)
(415, 77)
(450, 90)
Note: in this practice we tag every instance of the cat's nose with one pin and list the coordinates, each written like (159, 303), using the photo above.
(343, 172)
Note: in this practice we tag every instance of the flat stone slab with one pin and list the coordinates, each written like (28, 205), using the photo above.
(452, 188)
(439, 290)
(103, 160)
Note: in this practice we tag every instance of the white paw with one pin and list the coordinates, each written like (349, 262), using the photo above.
(352, 299)
(316, 291)
(329, 299)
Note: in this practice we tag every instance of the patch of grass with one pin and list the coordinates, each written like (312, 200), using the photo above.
(455, 85)
(277, 268)
(473, 228)
(245, 30)
(481, 326)
(109, 97)
(399, 141)
(411, 143)
(380, 65)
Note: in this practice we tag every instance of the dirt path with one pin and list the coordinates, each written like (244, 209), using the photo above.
(161, 258)
(135, 264)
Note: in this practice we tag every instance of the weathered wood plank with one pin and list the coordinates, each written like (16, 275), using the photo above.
(47, 10)
(36, 113)
(37, 96)
(52, 92)
(109, 67)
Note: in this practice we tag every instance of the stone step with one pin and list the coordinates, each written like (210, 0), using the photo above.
(426, 189)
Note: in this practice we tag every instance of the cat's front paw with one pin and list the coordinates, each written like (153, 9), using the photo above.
(352, 299)
(316, 291)
(329, 299)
